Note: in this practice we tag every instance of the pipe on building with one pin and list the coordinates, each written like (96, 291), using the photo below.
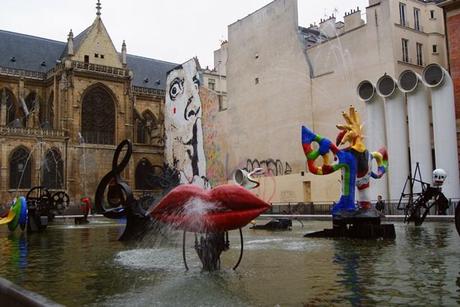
(375, 137)
(419, 118)
(396, 132)
(444, 126)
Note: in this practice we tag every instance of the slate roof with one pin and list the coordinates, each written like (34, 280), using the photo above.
(76, 41)
(150, 70)
(30, 51)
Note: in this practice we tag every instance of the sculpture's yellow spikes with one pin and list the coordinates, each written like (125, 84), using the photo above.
(353, 128)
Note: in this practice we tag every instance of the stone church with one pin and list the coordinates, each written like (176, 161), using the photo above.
(64, 107)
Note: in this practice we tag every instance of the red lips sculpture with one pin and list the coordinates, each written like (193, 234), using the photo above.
(226, 207)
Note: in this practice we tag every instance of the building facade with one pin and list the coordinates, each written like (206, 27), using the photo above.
(287, 76)
(66, 105)
(452, 22)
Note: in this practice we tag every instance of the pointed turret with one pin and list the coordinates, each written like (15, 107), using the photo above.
(98, 8)
(123, 53)
(70, 44)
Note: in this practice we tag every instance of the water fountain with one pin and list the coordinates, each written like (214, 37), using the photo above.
(210, 214)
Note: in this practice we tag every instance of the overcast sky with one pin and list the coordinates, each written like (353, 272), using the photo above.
(169, 30)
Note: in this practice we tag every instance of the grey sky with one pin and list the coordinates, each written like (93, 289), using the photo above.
(170, 30)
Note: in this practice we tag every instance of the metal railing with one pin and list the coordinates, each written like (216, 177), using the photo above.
(113, 71)
(320, 208)
(138, 90)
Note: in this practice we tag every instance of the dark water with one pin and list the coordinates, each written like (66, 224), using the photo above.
(78, 266)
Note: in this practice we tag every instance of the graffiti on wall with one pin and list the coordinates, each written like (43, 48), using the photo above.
(183, 125)
(214, 138)
(270, 166)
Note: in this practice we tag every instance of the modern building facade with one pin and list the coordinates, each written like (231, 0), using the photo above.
(287, 76)
(66, 105)
(452, 22)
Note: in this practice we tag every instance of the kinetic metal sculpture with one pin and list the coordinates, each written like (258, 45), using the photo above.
(211, 214)
(418, 205)
(120, 201)
(35, 210)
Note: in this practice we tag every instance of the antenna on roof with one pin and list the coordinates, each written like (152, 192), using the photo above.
(98, 8)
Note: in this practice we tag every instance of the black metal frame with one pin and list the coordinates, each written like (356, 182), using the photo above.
(417, 206)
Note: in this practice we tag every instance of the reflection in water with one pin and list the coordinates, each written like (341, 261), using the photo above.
(86, 265)
(14, 248)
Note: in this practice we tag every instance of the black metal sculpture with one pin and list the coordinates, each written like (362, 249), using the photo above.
(417, 205)
(457, 218)
(43, 206)
(276, 224)
(120, 201)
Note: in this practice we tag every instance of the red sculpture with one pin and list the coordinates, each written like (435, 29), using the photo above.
(193, 209)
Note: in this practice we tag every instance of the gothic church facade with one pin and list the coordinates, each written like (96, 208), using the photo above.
(65, 106)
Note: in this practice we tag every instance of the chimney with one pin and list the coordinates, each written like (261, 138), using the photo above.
(327, 27)
(352, 19)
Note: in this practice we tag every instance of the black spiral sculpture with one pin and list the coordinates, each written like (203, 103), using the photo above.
(120, 201)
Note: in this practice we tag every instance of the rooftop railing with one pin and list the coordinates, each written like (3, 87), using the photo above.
(114, 71)
(7, 71)
(137, 90)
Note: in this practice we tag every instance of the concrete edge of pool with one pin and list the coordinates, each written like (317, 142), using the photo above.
(64, 219)
(12, 295)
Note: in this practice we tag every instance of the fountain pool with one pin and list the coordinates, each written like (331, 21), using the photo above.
(87, 265)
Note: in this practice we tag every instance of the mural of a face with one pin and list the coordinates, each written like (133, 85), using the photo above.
(184, 134)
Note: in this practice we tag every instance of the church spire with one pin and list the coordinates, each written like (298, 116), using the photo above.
(123, 53)
(98, 8)
(70, 43)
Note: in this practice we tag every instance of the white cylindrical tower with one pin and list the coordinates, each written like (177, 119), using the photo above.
(396, 132)
(374, 128)
(419, 117)
(444, 126)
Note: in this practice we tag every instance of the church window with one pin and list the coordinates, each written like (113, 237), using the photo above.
(147, 128)
(7, 98)
(53, 170)
(102, 56)
(98, 117)
(26, 112)
(96, 55)
(20, 169)
(46, 115)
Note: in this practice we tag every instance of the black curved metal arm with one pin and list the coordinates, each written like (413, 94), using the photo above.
(183, 250)
(457, 218)
(241, 250)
